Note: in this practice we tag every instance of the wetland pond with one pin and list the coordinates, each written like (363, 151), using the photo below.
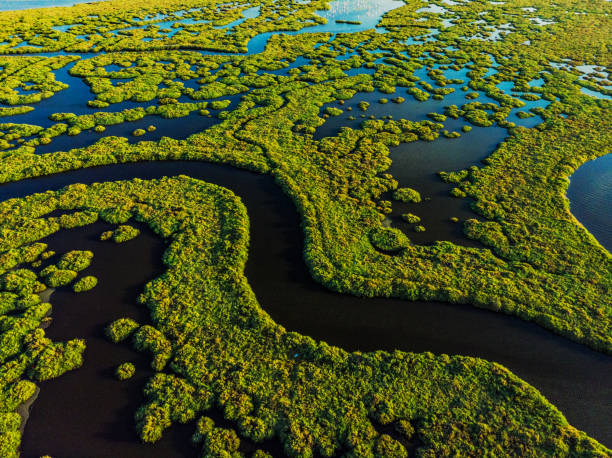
(590, 196)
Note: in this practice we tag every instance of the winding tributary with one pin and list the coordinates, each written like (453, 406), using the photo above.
(573, 377)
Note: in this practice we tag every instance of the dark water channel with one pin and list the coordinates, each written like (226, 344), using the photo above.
(88, 412)
(571, 376)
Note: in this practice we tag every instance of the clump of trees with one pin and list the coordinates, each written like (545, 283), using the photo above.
(121, 234)
(85, 284)
(121, 329)
(411, 218)
(407, 195)
(388, 239)
(125, 371)
(75, 260)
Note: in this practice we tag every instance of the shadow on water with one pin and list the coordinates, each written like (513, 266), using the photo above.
(572, 377)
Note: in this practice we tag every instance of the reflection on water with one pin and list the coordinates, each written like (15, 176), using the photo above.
(367, 12)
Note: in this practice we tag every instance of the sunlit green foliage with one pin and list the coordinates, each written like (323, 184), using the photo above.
(56, 359)
(75, 260)
(85, 284)
(121, 329)
(410, 218)
(125, 371)
(216, 346)
(55, 277)
(208, 322)
(122, 234)
(407, 195)
(388, 239)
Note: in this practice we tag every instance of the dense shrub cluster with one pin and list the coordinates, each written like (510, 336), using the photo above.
(85, 284)
(121, 234)
(75, 260)
(407, 195)
(125, 371)
(121, 329)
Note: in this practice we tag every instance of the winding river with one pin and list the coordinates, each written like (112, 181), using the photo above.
(573, 377)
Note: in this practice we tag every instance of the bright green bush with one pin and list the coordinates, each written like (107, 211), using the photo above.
(333, 111)
(407, 195)
(121, 329)
(54, 277)
(388, 239)
(147, 338)
(85, 284)
(125, 233)
(77, 219)
(125, 371)
(410, 218)
(75, 260)
(106, 235)
(56, 359)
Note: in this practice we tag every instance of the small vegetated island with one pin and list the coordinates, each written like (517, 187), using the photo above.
(252, 84)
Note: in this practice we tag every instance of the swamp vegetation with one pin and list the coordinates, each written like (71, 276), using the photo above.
(301, 91)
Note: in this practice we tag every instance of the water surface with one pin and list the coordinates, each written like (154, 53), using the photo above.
(590, 196)
(10, 5)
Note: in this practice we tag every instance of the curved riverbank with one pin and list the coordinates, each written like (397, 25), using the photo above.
(572, 377)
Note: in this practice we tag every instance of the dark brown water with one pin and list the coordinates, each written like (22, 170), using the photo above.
(572, 377)
(88, 412)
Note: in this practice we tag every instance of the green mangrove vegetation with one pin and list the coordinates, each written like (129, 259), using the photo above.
(125, 371)
(213, 346)
(452, 71)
